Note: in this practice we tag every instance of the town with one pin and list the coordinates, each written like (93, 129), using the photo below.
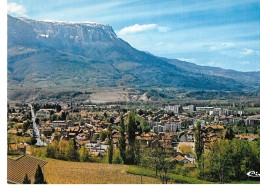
(94, 128)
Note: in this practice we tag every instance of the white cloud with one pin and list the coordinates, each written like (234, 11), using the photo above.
(137, 28)
(141, 28)
(221, 46)
(192, 60)
(16, 9)
(247, 51)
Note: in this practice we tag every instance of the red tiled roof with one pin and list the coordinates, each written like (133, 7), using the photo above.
(179, 158)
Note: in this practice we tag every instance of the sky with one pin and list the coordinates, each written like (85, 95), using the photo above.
(219, 33)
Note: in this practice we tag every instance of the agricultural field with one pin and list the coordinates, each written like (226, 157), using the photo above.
(65, 172)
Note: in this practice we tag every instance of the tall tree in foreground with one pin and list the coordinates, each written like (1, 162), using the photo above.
(110, 143)
(122, 139)
(199, 146)
(131, 128)
(39, 177)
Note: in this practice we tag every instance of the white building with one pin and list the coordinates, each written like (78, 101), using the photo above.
(173, 108)
(190, 108)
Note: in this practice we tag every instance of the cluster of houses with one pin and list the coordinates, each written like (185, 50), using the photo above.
(166, 129)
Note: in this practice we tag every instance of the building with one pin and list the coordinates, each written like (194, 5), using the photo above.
(216, 111)
(159, 129)
(44, 113)
(63, 124)
(207, 109)
(190, 108)
(173, 108)
(173, 126)
(17, 168)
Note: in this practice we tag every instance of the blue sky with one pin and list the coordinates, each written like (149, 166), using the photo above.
(220, 33)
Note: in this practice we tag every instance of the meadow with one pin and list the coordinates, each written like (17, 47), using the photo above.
(65, 172)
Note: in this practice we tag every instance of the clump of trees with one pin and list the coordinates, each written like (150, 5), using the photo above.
(157, 159)
(67, 150)
(229, 160)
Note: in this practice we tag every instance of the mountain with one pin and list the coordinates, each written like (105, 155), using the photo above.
(249, 78)
(63, 55)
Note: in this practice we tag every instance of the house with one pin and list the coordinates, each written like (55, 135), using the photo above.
(146, 138)
(17, 168)
(249, 137)
(181, 159)
(214, 128)
(63, 124)
(46, 131)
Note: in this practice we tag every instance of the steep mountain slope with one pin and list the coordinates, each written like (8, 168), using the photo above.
(86, 55)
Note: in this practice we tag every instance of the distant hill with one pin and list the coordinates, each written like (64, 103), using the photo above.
(64, 55)
(249, 78)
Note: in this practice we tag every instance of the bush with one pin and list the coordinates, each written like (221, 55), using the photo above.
(117, 160)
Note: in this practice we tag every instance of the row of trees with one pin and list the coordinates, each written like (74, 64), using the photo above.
(130, 153)
(67, 150)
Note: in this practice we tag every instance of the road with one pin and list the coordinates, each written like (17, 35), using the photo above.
(36, 129)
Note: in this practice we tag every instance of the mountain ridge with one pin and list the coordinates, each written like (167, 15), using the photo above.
(45, 54)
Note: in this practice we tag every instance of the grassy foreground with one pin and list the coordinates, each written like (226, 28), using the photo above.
(65, 172)
(173, 177)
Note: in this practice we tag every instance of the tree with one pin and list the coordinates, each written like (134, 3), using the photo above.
(199, 146)
(229, 160)
(229, 134)
(144, 126)
(63, 116)
(131, 128)
(71, 152)
(53, 117)
(58, 108)
(26, 125)
(122, 140)
(255, 129)
(33, 138)
(116, 157)
(137, 154)
(157, 158)
(39, 177)
(50, 151)
(26, 180)
(111, 145)
(37, 121)
(103, 134)
(84, 154)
